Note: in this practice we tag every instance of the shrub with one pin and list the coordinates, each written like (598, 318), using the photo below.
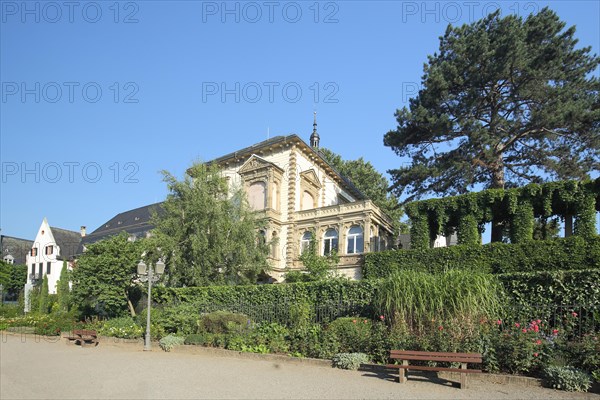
(585, 353)
(572, 253)
(196, 338)
(353, 334)
(10, 310)
(567, 378)
(223, 322)
(349, 360)
(272, 335)
(170, 341)
(55, 323)
(123, 327)
(181, 319)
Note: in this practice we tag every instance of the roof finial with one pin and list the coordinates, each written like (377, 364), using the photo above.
(314, 138)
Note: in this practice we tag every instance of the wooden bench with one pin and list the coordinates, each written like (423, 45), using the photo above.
(407, 355)
(83, 337)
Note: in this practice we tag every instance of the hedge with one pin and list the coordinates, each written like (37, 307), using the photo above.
(466, 214)
(572, 253)
(337, 291)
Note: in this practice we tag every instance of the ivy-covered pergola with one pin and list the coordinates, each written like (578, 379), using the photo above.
(466, 215)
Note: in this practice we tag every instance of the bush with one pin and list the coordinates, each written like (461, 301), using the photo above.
(181, 319)
(10, 310)
(585, 353)
(196, 339)
(123, 327)
(567, 378)
(223, 322)
(352, 335)
(349, 360)
(572, 253)
(170, 341)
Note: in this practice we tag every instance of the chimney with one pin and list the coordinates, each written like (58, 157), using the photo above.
(82, 230)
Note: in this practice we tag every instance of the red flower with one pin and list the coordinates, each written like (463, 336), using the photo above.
(536, 328)
(574, 314)
(555, 331)
(538, 342)
(518, 325)
(499, 322)
(441, 328)
(353, 321)
(539, 320)
(524, 330)
(381, 317)
(535, 354)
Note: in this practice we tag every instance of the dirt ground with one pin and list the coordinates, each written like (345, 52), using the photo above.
(44, 368)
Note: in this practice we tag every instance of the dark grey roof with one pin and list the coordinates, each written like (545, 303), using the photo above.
(285, 139)
(68, 241)
(16, 247)
(135, 222)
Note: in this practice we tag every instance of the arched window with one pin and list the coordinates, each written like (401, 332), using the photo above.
(330, 242)
(308, 201)
(305, 242)
(356, 241)
(257, 196)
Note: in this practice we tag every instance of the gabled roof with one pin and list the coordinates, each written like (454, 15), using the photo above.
(16, 247)
(68, 241)
(135, 222)
(291, 139)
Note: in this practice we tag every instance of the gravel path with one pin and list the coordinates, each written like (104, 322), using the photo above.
(42, 368)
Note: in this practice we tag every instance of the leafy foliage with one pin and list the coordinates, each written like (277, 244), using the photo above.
(208, 232)
(168, 342)
(12, 278)
(350, 361)
(317, 267)
(505, 101)
(122, 327)
(43, 297)
(567, 378)
(548, 255)
(222, 322)
(104, 275)
(62, 288)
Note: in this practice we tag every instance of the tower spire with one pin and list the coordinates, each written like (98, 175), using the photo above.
(314, 138)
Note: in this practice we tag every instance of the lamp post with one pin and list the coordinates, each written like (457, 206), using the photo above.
(150, 274)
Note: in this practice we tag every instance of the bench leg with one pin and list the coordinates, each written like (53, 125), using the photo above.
(402, 377)
(463, 376)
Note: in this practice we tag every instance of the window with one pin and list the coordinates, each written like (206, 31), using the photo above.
(49, 250)
(275, 197)
(261, 239)
(33, 269)
(9, 259)
(33, 252)
(41, 269)
(257, 196)
(308, 201)
(355, 240)
(305, 242)
(330, 242)
(48, 267)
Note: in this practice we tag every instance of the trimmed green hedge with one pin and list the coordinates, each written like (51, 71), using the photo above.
(334, 291)
(553, 287)
(573, 253)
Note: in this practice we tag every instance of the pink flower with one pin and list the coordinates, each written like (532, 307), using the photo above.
(524, 330)
(538, 342)
(499, 322)
(574, 314)
(539, 320)
(555, 331)
(535, 354)
(365, 321)
(381, 317)
(536, 328)
(441, 328)
(353, 321)
(518, 325)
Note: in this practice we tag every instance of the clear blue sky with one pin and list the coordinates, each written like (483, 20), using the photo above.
(131, 88)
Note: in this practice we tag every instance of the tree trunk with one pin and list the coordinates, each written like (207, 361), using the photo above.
(130, 305)
(497, 183)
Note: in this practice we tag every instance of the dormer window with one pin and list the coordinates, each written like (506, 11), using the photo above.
(33, 252)
(49, 250)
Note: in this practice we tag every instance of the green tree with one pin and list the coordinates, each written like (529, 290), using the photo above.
(103, 277)
(62, 288)
(317, 267)
(506, 101)
(43, 296)
(370, 182)
(208, 232)
(12, 278)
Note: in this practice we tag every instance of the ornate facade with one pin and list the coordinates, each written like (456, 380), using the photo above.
(300, 195)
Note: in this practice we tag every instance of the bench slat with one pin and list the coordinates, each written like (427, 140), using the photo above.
(432, 353)
(426, 368)
(441, 359)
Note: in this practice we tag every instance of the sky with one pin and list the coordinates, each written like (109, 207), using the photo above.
(98, 97)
